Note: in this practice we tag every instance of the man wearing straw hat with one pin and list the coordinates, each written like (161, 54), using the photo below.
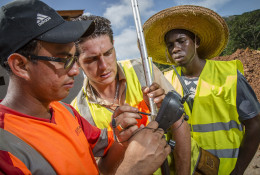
(39, 134)
(223, 109)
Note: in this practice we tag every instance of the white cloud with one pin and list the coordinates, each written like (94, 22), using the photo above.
(119, 13)
(86, 13)
(211, 4)
(122, 20)
(126, 44)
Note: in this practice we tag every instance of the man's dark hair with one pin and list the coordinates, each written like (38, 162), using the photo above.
(102, 26)
(26, 50)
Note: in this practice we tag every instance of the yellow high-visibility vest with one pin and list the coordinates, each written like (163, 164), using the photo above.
(101, 116)
(214, 120)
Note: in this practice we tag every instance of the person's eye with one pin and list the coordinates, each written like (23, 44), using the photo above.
(169, 45)
(182, 41)
(108, 53)
(89, 59)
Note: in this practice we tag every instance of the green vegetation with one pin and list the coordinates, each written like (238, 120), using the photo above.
(163, 67)
(244, 32)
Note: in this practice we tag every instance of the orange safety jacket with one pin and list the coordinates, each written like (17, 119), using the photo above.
(63, 145)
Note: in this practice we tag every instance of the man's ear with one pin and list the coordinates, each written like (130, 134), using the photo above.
(19, 65)
(197, 41)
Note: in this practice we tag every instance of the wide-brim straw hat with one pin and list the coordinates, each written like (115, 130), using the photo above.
(205, 23)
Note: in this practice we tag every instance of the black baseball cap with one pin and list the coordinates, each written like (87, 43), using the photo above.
(24, 20)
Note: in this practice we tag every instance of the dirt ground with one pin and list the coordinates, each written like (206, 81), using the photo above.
(251, 62)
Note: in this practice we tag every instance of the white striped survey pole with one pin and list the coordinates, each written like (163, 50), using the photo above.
(144, 55)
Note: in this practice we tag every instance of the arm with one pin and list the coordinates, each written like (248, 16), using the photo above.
(181, 134)
(182, 150)
(109, 163)
(144, 154)
(146, 151)
(248, 109)
(124, 116)
(249, 145)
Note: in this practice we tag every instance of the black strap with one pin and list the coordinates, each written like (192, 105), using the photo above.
(2, 81)
(186, 91)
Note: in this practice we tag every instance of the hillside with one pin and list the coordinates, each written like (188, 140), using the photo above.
(244, 31)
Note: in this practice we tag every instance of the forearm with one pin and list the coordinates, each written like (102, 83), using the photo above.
(248, 147)
(125, 116)
(114, 157)
(182, 150)
(124, 168)
(246, 152)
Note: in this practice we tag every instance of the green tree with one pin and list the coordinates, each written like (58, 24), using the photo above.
(244, 32)
(163, 67)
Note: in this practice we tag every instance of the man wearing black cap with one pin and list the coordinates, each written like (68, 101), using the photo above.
(40, 135)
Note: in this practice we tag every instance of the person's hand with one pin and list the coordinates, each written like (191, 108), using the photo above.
(155, 92)
(124, 121)
(146, 151)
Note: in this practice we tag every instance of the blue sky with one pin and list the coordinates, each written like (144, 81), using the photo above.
(119, 12)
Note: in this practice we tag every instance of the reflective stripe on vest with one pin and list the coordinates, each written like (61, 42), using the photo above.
(68, 108)
(35, 162)
(214, 116)
(217, 126)
(60, 143)
(80, 103)
(225, 153)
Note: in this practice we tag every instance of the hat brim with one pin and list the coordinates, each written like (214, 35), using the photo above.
(68, 31)
(205, 23)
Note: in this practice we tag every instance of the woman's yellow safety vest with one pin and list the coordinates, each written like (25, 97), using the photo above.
(214, 119)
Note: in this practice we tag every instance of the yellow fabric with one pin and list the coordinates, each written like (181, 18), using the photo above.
(134, 93)
(172, 77)
(215, 102)
(97, 111)
(134, 97)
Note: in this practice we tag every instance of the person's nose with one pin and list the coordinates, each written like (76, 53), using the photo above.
(74, 71)
(102, 63)
(176, 48)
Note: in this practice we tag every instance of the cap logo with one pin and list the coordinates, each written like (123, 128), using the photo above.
(41, 19)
